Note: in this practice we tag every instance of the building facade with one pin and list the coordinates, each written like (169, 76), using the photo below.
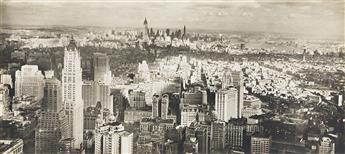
(48, 132)
(4, 99)
(165, 106)
(113, 139)
(73, 105)
(11, 146)
(155, 106)
(227, 104)
(101, 68)
(218, 131)
(29, 82)
(260, 145)
(137, 99)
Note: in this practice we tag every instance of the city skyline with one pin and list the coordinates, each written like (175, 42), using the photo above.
(316, 18)
(93, 90)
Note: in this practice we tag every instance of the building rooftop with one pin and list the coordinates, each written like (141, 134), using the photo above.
(72, 45)
(7, 144)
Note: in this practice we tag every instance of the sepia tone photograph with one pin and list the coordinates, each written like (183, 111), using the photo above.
(172, 77)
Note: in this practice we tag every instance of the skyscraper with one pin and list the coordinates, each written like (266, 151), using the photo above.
(144, 72)
(236, 133)
(260, 145)
(155, 106)
(203, 140)
(227, 104)
(137, 99)
(237, 77)
(93, 92)
(72, 109)
(165, 106)
(118, 102)
(47, 133)
(29, 82)
(218, 131)
(4, 99)
(112, 138)
(231, 92)
(146, 26)
(146, 31)
(105, 98)
(101, 68)
(89, 91)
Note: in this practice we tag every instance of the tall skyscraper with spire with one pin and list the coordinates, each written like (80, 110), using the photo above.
(72, 108)
(146, 26)
(146, 31)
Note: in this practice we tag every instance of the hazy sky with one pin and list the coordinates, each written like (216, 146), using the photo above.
(319, 17)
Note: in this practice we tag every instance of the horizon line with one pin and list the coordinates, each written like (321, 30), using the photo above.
(191, 28)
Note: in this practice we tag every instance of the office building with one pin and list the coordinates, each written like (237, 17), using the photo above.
(190, 145)
(260, 145)
(169, 147)
(164, 106)
(52, 95)
(196, 97)
(155, 106)
(136, 99)
(252, 102)
(11, 146)
(160, 106)
(133, 115)
(218, 133)
(237, 77)
(93, 92)
(89, 93)
(105, 98)
(101, 68)
(326, 146)
(227, 104)
(155, 126)
(118, 101)
(29, 82)
(112, 138)
(91, 115)
(72, 117)
(4, 99)
(234, 79)
(6, 79)
(248, 112)
(47, 133)
(144, 72)
(203, 139)
(191, 113)
(236, 131)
